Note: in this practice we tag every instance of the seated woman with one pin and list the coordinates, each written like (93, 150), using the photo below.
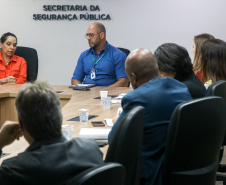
(13, 69)
(174, 61)
(213, 61)
(198, 40)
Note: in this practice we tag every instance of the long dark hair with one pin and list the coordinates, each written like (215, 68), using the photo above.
(213, 58)
(198, 40)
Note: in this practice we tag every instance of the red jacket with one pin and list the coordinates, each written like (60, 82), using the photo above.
(17, 67)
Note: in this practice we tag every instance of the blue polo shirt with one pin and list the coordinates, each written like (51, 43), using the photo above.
(108, 70)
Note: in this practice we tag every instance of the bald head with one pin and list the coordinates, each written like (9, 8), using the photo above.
(99, 27)
(141, 67)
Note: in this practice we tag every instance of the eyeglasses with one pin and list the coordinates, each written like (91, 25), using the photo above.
(91, 35)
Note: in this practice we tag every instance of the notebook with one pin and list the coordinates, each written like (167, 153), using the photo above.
(82, 85)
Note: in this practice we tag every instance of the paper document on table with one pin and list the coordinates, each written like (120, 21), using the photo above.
(94, 133)
(109, 122)
(121, 96)
(116, 101)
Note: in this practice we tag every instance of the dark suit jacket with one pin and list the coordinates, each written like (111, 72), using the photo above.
(159, 97)
(50, 162)
(194, 85)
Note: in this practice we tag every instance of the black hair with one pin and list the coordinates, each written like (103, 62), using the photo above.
(213, 60)
(175, 59)
(6, 35)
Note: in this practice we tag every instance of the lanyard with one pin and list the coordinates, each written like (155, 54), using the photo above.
(96, 62)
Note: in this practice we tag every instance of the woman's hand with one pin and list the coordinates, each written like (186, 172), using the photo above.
(11, 80)
(8, 80)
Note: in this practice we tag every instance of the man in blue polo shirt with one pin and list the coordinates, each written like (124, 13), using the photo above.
(102, 64)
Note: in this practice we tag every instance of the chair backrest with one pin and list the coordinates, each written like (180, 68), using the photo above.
(106, 174)
(126, 51)
(218, 89)
(194, 139)
(125, 146)
(31, 57)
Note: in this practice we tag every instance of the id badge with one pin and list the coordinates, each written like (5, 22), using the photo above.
(92, 73)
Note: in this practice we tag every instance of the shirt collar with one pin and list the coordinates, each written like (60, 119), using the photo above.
(104, 49)
(13, 58)
(39, 143)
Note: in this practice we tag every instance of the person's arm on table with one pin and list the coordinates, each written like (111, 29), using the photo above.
(78, 74)
(22, 78)
(3, 81)
(122, 82)
(75, 82)
(8, 80)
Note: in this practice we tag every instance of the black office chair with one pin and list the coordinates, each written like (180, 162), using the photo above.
(219, 89)
(126, 51)
(106, 174)
(194, 139)
(31, 57)
(126, 143)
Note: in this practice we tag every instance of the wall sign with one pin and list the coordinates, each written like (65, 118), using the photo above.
(89, 13)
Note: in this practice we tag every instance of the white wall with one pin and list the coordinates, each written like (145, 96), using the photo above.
(133, 24)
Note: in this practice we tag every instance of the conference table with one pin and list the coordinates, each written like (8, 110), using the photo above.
(71, 102)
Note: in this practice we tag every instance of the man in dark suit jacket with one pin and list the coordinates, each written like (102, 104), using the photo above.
(50, 158)
(159, 96)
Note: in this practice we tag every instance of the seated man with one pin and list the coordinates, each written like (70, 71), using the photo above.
(50, 158)
(102, 64)
(159, 96)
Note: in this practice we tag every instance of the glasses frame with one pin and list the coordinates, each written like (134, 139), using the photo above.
(91, 35)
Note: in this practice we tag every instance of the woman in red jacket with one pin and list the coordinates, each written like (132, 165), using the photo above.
(198, 40)
(13, 69)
